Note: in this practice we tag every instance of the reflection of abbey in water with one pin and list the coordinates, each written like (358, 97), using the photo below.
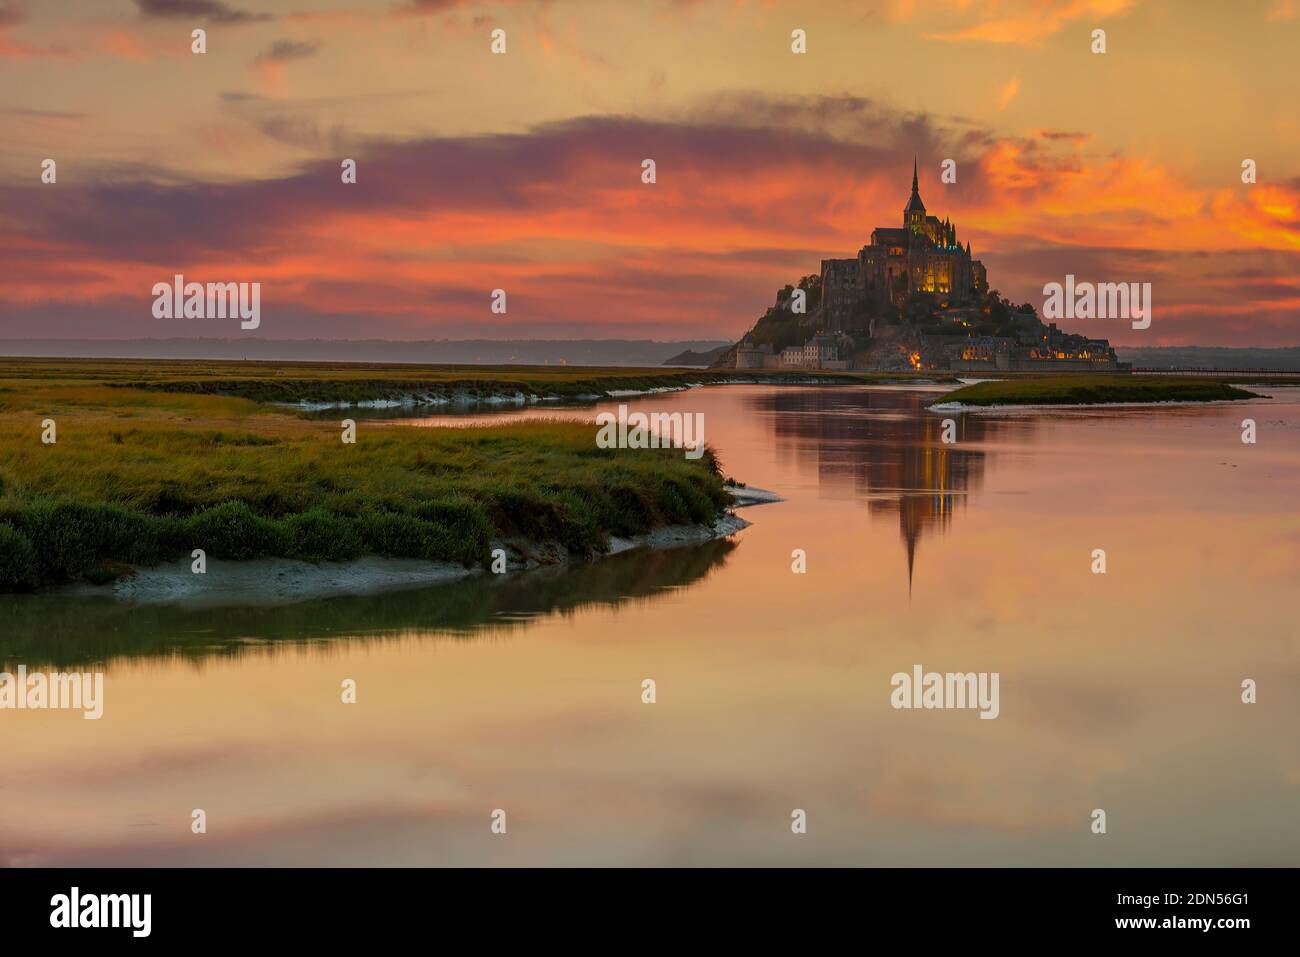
(886, 449)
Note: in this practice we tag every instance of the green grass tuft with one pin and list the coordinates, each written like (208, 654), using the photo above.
(1094, 390)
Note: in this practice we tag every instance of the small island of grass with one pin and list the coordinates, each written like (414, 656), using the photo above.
(1094, 390)
(103, 471)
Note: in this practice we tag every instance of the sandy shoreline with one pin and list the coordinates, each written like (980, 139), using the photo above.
(274, 581)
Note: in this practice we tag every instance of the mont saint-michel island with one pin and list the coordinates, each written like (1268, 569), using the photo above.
(914, 297)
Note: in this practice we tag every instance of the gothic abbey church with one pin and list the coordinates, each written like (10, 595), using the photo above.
(922, 256)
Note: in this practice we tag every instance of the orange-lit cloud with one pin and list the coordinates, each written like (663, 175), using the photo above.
(1007, 92)
(122, 43)
(523, 171)
(1283, 10)
(560, 219)
(1025, 22)
(12, 16)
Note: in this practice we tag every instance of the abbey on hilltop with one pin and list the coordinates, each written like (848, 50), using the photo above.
(912, 298)
(923, 255)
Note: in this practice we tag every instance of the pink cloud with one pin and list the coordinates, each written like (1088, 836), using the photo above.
(559, 217)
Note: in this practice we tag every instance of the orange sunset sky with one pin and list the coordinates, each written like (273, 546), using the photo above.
(522, 171)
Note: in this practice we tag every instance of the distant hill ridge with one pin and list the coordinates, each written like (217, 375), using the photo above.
(692, 358)
(581, 352)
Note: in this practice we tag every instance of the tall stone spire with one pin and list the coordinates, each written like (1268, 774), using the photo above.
(914, 213)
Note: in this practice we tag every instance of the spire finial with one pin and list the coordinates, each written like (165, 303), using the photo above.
(915, 185)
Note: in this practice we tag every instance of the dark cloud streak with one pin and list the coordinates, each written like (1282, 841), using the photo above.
(11, 14)
(210, 10)
(283, 51)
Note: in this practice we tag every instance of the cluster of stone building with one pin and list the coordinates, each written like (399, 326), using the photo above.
(819, 352)
(1048, 350)
(1026, 351)
(923, 256)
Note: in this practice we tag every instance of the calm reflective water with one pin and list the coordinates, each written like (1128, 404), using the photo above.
(1119, 692)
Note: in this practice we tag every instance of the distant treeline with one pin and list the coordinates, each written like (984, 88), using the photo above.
(1210, 357)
